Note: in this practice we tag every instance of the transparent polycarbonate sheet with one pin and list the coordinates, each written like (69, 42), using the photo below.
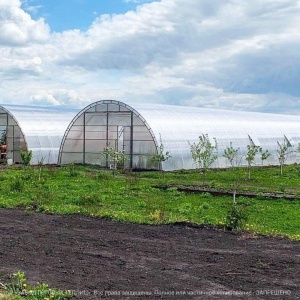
(139, 128)
(114, 125)
(179, 126)
(39, 129)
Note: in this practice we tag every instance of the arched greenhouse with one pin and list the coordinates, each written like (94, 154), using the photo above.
(39, 129)
(139, 129)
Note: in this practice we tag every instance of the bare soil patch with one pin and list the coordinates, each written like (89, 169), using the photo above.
(102, 259)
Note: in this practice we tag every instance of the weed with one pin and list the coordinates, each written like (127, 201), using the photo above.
(72, 170)
(18, 286)
(90, 199)
(17, 185)
(158, 216)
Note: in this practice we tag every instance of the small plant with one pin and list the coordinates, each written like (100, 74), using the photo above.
(17, 185)
(282, 153)
(252, 150)
(161, 155)
(18, 286)
(26, 157)
(72, 170)
(117, 157)
(3, 138)
(204, 153)
(158, 216)
(92, 199)
(40, 165)
(236, 217)
(264, 155)
(234, 159)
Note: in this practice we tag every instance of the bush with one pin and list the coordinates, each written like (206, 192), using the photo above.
(236, 217)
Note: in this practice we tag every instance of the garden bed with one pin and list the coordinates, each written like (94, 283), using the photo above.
(224, 192)
(103, 259)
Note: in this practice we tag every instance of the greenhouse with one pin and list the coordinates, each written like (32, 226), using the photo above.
(39, 129)
(140, 130)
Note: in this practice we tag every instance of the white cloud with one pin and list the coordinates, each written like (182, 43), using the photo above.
(57, 97)
(226, 54)
(16, 26)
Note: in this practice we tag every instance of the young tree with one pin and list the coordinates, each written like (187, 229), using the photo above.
(117, 157)
(252, 150)
(282, 153)
(204, 153)
(232, 154)
(264, 155)
(161, 155)
(26, 157)
(40, 165)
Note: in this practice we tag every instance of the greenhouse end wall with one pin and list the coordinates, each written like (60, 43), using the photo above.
(109, 124)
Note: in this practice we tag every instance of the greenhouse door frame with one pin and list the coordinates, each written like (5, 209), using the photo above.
(126, 128)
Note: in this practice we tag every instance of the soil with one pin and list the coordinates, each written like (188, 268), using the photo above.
(102, 259)
(223, 192)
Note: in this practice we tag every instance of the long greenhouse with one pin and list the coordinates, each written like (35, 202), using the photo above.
(32, 128)
(139, 129)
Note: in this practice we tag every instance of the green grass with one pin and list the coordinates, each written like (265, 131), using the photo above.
(17, 288)
(132, 198)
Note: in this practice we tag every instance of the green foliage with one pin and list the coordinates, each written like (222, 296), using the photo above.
(18, 286)
(232, 155)
(264, 155)
(117, 157)
(133, 199)
(17, 184)
(26, 157)
(252, 150)
(236, 217)
(282, 153)
(161, 155)
(204, 153)
(3, 138)
(72, 170)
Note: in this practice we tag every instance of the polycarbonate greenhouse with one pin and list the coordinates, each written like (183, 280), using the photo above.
(139, 129)
(39, 129)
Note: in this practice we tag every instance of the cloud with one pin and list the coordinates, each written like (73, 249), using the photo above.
(225, 54)
(16, 26)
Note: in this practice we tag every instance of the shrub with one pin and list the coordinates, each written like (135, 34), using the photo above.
(236, 217)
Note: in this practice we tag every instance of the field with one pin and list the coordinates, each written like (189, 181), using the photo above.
(91, 231)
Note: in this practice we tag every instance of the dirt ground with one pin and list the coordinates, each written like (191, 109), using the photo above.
(103, 259)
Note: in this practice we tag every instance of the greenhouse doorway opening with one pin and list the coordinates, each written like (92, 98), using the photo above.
(117, 137)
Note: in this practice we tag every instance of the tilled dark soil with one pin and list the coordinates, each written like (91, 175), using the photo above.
(103, 259)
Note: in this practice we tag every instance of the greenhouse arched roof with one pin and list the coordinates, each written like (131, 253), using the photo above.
(139, 128)
(39, 129)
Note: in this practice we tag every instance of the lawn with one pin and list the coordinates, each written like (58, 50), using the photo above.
(132, 197)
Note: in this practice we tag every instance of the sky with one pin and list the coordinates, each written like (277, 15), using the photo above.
(226, 54)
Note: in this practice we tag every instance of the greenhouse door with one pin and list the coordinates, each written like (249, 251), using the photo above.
(119, 135)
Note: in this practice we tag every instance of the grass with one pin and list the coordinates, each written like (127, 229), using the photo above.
(131, 197)
(17, 288)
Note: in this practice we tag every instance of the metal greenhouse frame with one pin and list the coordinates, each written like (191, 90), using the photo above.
(139, 128)
(39, 129)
